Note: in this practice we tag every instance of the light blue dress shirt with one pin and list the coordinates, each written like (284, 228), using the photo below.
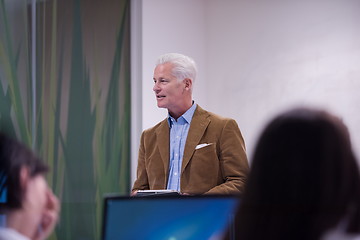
(178, 133)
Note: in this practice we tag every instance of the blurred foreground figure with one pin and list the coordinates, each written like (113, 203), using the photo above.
(304, 181)
(28, 208)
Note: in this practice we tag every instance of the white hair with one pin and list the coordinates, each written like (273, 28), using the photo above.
(184, 66)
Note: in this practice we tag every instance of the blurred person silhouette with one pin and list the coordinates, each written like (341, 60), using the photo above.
(28, 208)
(304, 181)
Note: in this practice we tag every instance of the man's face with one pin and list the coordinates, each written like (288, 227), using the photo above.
(169, 92)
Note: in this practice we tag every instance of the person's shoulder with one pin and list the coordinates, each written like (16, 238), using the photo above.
(215, 121)
(155, 127)
(213, 116)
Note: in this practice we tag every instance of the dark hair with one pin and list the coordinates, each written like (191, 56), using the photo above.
(14, 156)
(304, 179)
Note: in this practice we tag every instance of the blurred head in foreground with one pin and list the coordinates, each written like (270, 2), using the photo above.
(304, 180)
(28, 207)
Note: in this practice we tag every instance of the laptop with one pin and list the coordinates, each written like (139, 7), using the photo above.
(168, 217)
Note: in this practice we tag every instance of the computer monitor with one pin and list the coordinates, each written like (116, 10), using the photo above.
(168, 217)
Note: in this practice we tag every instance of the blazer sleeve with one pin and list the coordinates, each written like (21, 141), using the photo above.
(141, 182)
(233, 162)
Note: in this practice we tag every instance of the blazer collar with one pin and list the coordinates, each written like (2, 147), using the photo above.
(198, 125)
(163, 143)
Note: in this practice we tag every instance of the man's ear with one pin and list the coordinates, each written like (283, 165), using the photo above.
(24, 177)
(188, 83)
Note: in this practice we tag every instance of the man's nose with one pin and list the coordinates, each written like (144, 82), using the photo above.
(156, 88)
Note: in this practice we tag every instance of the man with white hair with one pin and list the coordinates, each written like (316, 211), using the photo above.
(191, 151)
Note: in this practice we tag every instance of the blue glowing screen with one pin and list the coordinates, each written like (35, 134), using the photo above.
(168, 218)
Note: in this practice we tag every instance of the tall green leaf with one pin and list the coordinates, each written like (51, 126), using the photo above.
(79, 192)
(114, 148)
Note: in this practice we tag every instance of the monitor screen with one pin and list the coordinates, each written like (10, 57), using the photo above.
(170, 218)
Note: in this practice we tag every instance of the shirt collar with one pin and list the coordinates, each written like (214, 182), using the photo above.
(187, 116)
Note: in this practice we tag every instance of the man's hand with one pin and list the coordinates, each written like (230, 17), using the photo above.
(133, 193)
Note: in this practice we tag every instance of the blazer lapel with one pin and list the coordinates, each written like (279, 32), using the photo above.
(198, 126)
(163, 143)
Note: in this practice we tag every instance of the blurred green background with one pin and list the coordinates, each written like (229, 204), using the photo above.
(70, 101)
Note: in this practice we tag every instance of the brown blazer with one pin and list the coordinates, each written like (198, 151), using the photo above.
(218, 168)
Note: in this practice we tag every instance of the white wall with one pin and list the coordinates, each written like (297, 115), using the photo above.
(266, 56)
(258, 57)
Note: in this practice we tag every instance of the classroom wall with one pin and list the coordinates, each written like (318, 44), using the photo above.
(267, 56)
